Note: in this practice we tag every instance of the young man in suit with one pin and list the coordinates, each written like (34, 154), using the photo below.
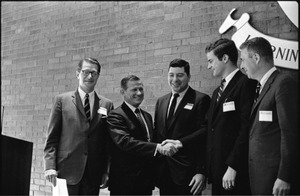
(132, 149)
(182, 124)
(228, 116)
(274, 128)
(76, 145)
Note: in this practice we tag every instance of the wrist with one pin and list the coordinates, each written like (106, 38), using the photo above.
(179, 144)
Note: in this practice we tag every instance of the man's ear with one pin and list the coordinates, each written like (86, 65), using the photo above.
(225, 58)
(256, 58)
(122, 91)
(77, 74)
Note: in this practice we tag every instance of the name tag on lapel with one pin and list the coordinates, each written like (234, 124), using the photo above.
(102, 111)
(265, 116)
(228, 106)
(189, 106)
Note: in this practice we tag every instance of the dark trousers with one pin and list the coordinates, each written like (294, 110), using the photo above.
(242, 187)
(84, 187)
(168, 187)
(132, 192)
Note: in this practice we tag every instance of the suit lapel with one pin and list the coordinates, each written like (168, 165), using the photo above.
(149, 124)
(133, 118)
(97, 103)
(77, 101)
(228, 89)
(265, 89)
(164, 109)
(188, 97)
(130, 114)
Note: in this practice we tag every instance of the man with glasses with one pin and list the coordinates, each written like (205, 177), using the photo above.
(76, 144)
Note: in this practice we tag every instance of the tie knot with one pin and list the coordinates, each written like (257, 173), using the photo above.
(258, 85)
(137, 111)
(223, 81)
(175, 95)
(87, 95)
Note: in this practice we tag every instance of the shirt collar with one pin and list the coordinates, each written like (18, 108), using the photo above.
(82, 94)
(229, 77)
(131, 107)
(266, 76)
(182, 93)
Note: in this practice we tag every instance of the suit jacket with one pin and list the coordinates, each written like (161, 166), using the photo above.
(131, 154)
(188, 125)
(274, 135)
(73, 143)
(228, 131)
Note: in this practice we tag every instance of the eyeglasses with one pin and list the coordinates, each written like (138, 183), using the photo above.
(86, 73)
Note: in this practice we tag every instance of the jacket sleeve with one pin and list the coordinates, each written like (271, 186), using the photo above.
(119, 131)
(240, 148)
(53, 135)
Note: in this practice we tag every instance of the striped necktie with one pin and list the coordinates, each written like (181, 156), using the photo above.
(221, 88)
(257, 92)
(87, 107)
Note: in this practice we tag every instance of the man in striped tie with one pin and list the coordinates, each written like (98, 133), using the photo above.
(274, 123)
(76, 145)
(227, 141)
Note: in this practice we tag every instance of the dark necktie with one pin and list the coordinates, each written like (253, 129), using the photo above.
(257, 92)
(172, 108)
(87, 107)
(139, 117)
(221, 88)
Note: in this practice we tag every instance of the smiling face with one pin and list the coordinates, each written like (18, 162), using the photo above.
(87, 81)
(134, 94)
(217, 66)
(178, 79)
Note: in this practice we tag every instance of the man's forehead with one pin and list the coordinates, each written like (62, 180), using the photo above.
(176, 70)
(87, 65)
(135, 83)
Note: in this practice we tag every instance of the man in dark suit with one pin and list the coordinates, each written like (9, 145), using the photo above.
(76, 145)
(228, 116)
(132, 149)
(274, 130)
(182, 124)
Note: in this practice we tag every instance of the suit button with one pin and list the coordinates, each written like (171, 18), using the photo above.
(85, 153)
(212, 130)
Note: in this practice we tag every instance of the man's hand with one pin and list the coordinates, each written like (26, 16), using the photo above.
(229, 179)
(281, 187)
(176, 143)
(104, 181)
(51, 175)
(167, 149)
(198, 184)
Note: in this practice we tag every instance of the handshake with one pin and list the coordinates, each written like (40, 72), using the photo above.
(169, 147)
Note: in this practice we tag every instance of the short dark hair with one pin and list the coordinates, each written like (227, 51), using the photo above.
(89, 60)
(223, 46)
(125, 81)
(260, 46)
(181, 63)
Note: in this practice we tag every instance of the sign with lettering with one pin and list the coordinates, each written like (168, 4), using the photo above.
(286, 52)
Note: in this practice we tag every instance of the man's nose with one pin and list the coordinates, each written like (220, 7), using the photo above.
(89, 75)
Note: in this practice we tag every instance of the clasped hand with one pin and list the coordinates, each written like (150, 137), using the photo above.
(169, 147)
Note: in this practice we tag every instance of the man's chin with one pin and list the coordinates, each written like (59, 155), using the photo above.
(176, 89)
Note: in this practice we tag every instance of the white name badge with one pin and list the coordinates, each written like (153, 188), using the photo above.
(228, 106)
(188, 106)
(265, 116)
(102, 110)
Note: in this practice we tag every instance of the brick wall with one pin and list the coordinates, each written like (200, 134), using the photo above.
(42, 42)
